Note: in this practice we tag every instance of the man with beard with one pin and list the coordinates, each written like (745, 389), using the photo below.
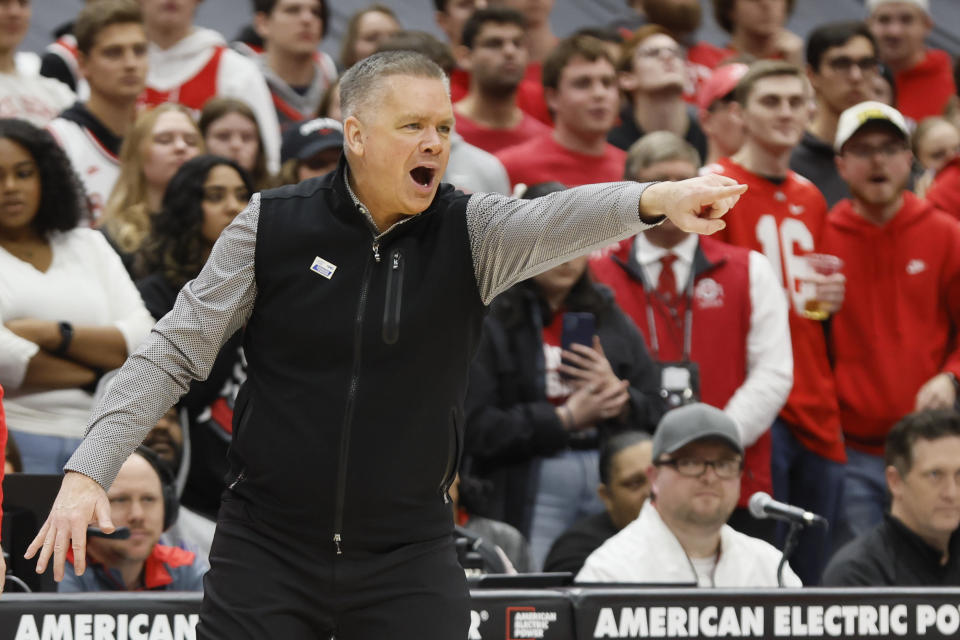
(842, 67)
(142, 499)
(189, 530)
(652, 75)
(759, 29)
(681, 535)
(580, 85)
(494, 54)
(682, 19)
(923, 75)
(902, 262)
(782, 216)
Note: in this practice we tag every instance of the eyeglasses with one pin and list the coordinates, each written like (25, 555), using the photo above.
(725, 468)
(865, 151)
(660, 52)
(844, 64)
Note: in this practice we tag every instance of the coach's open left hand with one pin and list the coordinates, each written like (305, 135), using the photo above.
(693, 205)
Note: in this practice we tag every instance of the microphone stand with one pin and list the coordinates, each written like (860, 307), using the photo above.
(789, 545)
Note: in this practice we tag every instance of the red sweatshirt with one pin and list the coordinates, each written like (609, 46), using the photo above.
(944, 193)
(898, 325)
(924, 90)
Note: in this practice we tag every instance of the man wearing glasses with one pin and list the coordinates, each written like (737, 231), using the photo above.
(841, 66)
(681, 535)
(894, 342)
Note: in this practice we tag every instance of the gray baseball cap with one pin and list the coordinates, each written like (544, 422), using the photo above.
(692, 422)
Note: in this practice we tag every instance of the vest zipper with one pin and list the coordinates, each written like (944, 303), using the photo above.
(349, 407)
(394, 298)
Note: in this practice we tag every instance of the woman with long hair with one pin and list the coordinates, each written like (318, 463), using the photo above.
(229, 129)
(68, 310)
(161, 140)
(202, 198)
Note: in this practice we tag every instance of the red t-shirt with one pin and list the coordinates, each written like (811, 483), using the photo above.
(496, 140)
(556, 388)
(924, 90)
(784, 222)
(898, 325)
(543, 160)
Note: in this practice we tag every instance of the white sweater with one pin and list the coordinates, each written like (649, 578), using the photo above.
(33, 98)
(646, 551)
(237, 77)
(86, 284)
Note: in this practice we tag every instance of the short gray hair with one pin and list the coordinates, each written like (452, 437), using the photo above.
(361, 83)
(658, 146)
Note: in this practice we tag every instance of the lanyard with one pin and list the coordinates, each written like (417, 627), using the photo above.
(687, 317)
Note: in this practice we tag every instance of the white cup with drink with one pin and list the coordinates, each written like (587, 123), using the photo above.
(821, 264)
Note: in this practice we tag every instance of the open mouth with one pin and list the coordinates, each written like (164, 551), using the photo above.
(423, 176)
(878, 179)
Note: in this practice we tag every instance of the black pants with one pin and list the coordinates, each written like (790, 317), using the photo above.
(263, 586)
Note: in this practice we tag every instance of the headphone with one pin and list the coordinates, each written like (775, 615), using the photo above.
(168, 484)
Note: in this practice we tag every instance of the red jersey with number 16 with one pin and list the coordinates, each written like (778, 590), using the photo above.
(784, 222)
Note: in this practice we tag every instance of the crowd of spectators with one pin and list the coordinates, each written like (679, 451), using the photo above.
(777, 356)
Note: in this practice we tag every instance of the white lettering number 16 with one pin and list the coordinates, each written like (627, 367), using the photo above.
(780, 245)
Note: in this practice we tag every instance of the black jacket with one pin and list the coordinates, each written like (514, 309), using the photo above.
(571, 550)
(510, 422)
(891, 555)
(814, 160)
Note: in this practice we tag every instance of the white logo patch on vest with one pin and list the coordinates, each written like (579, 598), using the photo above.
(323, 267)
(708, 294)
(916, 266)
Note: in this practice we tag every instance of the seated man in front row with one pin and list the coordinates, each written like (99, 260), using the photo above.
(917, 543)
(137, 501)
(681, 535)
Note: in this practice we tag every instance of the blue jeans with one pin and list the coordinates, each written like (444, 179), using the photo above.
(864, 495)
(810, 481)
(44, 454)
(566, 492)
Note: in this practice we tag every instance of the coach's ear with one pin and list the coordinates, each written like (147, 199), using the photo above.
(353, 136)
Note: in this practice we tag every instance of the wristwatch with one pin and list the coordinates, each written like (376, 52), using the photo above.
(66, 335)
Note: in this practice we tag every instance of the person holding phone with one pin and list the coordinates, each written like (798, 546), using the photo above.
(560, 368)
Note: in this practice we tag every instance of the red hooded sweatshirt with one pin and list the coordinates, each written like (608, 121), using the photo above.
(898, 325)
(944, 193)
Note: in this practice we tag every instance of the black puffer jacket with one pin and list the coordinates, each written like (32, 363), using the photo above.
(510, 422)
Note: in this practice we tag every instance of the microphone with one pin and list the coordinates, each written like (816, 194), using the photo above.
(763, 506)
(121, 533)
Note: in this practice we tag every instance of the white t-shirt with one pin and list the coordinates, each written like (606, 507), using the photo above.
(86, 284)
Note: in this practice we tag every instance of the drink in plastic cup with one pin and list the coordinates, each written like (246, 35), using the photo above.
(823, 264)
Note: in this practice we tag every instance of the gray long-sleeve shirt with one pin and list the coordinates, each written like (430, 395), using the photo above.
(510, 240)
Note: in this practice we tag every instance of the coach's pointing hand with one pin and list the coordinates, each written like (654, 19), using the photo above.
(693, 205)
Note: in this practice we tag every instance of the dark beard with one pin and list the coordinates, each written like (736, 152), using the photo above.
(498, 88)
(679, 16)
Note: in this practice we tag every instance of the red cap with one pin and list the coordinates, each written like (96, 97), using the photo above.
(722, 81)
